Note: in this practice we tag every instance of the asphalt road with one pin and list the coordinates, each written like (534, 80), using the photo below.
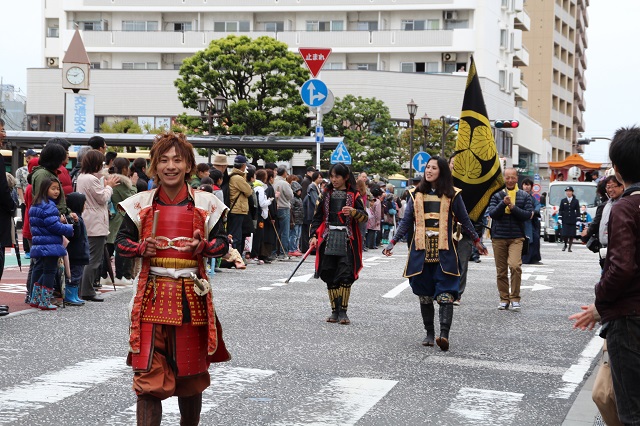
(290, 367)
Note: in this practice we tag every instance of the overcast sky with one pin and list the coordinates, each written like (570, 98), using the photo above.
(613, 63)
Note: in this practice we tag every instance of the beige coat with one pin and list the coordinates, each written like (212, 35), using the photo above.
(96, 210)
(239, 192)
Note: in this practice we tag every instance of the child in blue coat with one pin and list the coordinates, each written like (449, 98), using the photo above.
(47, 231)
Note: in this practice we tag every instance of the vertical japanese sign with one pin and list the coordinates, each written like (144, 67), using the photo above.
(79, 113)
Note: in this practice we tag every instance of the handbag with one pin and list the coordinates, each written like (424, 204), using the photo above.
(602, 392)
(594, 244)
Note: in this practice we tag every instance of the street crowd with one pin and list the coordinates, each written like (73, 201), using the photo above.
(171, 224)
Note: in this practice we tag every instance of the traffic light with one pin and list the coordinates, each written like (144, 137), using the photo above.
(506, 124)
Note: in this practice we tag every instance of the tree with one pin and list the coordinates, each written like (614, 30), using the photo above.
(433, 139)
(259, 77)
(369, 134)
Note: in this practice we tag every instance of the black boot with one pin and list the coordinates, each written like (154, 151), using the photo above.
(335, 311)
(190, 408)
(148, 411)
(344, 304)
(427, 311)
(446, 317)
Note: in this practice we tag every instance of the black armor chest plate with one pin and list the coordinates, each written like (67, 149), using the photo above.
(337, 202)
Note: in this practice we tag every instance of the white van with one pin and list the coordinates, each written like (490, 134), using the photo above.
(585, 192)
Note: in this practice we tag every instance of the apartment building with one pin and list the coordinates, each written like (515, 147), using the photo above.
(394, 50)
(555, 75)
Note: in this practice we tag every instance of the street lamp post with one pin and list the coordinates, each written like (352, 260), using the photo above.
(446, 119)
(426, 120)
(412, 108)
(204, 106)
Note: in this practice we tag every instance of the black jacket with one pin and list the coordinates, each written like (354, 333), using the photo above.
(569, 212)
(78, 248)
(7, 209)
(505, 226)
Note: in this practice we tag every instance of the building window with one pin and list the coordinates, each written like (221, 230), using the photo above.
(53, 32)
(412, 25)
(231, 26)
(407, 67)
(433, 24)
(95, 65)
(502, 79)
(504, 142)
(367, 26)
(332, 66)
(177, 66)
(274, 27)
(179, 26)
(367, 67)
(90, 25)
(450, 67)
(504, 39)
(325, 25)
(139, 65)
(432, 67)
(139, 25)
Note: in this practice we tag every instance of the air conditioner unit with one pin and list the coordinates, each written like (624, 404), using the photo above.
(53, 62)
(450, 15)
(449, 57)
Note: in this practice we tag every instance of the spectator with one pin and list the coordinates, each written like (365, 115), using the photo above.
(297, 217)
(139, 168)
(618, 291)
(77, 249)
(26, 229)
(509, 209)
(216, 178)
(239, 193)
(220, 162)
(309, 205)
(7, 210)
(202, 170)
(375, 218)
(75, 172)
(98, 190)
(270, 232)
(108, 161)
(307, 179)
(532, 227)
(125, 188)
(63, 174)
(262, 222)
(248, 226)
(48, 233)
(283, 202)
(21, 187)
(98, 143)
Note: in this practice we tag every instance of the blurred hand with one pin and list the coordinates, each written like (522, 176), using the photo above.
(150, 249)
(112, 180)
(587, 319)
(134, 178)
(481, 248)
(313, 242)
(193, 244)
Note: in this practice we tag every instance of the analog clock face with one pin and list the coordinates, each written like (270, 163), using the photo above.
(75, 75)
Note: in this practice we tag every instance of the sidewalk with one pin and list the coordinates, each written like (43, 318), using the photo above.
(584, 411)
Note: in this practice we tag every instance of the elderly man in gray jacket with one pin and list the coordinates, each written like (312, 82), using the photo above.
(509, 209)
(284, 195)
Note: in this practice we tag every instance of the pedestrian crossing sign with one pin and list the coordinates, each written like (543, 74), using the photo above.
(340, 154)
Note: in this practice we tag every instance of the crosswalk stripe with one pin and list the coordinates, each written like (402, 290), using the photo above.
(342, 401)
(396, 290)
(21, 400)
(483, 407)
(476, 364)
(225, 383)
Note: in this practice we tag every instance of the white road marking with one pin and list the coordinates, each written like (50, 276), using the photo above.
(226, 382)
(535, 277)
(483, 407)
(536, 287)
(342, 401)
(574, 375)
(396, 290)
(535, 269)
(300, 279)
(13, 288)
(266, 288)
(476, 364)
(18, 401)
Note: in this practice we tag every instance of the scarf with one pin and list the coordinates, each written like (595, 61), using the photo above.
(512, 194)
(443, 222)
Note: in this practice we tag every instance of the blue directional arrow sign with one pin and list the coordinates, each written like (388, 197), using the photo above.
(420, 161)
(314, 92)
(319, 134)
(341, 155)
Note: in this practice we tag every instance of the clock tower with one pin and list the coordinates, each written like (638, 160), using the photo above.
(76, 66)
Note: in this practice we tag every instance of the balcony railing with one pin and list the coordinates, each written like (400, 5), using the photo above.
(196, 40)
